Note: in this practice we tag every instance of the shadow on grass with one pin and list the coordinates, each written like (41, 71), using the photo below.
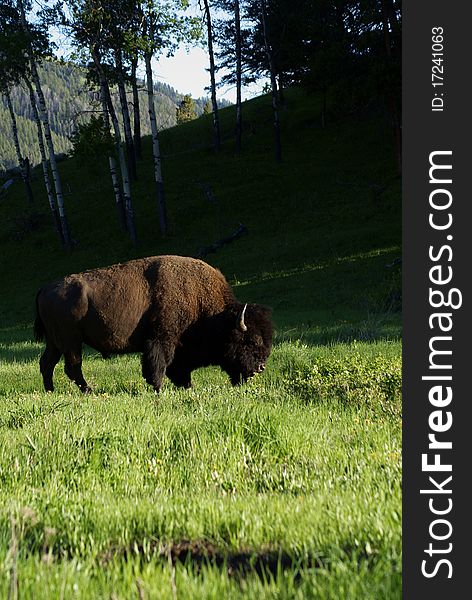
(377, 328)
(201, 553)
(267, 562)
(17, 345)
(9, 354)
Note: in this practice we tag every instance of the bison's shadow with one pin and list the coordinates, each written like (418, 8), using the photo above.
(17, 345)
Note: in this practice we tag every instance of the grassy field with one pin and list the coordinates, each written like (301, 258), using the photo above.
(287, 487)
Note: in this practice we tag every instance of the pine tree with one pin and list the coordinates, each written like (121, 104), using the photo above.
(186, 111)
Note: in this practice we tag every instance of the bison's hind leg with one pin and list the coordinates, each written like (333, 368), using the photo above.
(47, 362)
(73, 369)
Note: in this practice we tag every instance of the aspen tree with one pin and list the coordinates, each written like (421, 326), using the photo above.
(44, 162)
(43, 113)
(211, 56)
(22, 161)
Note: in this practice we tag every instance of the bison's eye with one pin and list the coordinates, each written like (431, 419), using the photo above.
(257, 340)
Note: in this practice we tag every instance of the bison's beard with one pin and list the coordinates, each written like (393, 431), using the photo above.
(238, 378)
(240, 373)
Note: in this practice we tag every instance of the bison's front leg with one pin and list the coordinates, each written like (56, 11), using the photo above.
(155, 360)
(179, 375)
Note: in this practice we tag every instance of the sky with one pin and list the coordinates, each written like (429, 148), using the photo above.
(187, 72)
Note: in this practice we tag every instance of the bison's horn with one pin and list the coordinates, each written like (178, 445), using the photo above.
(242, 325)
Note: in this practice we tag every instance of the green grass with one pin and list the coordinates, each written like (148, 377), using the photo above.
(287, 487)
(259, 469)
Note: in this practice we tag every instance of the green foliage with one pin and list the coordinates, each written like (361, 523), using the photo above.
(19, 43)
(92, 141)
(375, 381)
(186, 110)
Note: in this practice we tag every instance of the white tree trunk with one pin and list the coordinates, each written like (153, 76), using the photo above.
(216, 120)
(21, 161)
(121, 156)
(45, 163)
(126, 118)
(136, 115)
(273, 82)
(156, 154)
(112, 163)
(43, 113)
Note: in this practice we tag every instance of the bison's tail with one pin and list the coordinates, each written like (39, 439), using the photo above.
(39, 330)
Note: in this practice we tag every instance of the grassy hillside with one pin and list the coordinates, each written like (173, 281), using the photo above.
(287, 487)
(325, 222)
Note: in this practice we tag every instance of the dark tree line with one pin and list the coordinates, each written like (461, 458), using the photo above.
(346, 49)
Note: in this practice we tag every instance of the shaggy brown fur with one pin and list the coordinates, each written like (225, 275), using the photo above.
(179, 312)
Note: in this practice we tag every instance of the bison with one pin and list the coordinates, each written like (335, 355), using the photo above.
(179, 312)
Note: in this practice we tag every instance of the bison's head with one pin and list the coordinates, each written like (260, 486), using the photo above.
(248, 341)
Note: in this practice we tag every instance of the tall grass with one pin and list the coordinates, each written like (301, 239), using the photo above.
(268, 470)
